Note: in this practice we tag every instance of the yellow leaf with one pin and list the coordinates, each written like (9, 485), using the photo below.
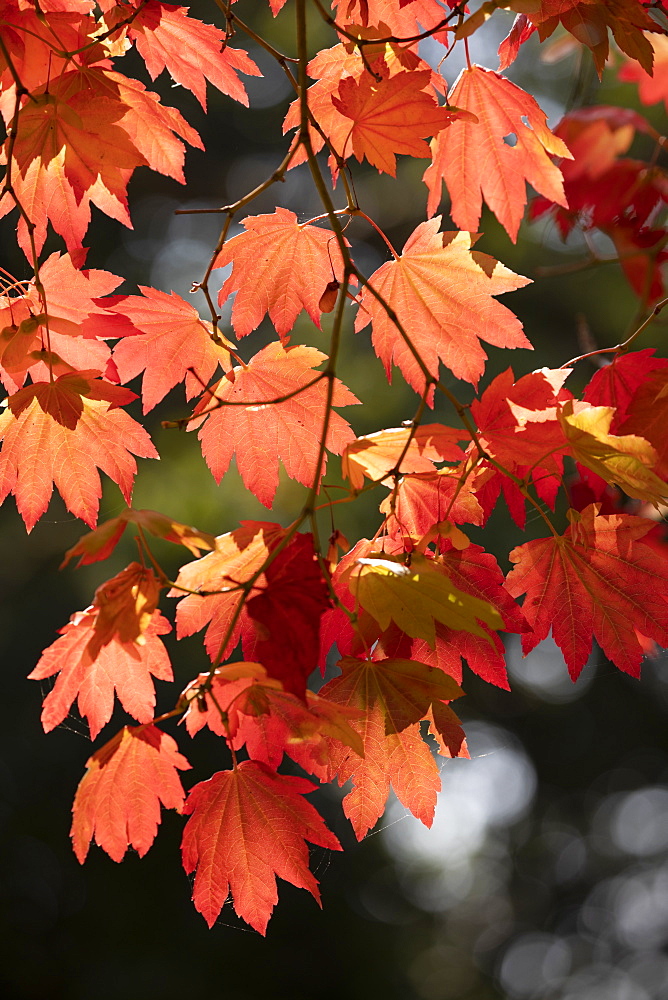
(416, 596)
(625, 460)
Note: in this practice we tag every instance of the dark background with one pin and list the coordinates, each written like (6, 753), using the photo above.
(546, 873)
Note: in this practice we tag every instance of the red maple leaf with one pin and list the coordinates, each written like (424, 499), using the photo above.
(122, 666)
(118, 799)
(242, 419)
(248, 826)
(390, 116)
(647, 413)
(285, 611)
(617, 383)
(600, 579)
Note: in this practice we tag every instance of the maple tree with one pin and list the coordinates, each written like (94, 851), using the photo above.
(404, 608)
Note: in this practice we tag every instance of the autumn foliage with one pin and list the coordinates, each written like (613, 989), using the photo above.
(405, 609)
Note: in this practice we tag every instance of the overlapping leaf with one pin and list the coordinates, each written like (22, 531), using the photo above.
(418, 595)
(394, 695)
(252, 709)
(215, 584)
(376, 455)
(389, 116)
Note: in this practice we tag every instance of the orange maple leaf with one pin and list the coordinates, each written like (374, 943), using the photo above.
(400, 19)
(100, 543)
(171, 344)
(390, 116)
(376, 455)
(192, 52)
(59, 432)
(118, 799)
(330, 67)
(120, 665)
(86, 128)
(474, 160)
(215, 580)
(259, 431)
(248, 826)
(279, 267)
(394, 694)
(441, 291)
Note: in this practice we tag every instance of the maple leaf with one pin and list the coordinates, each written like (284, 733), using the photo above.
(654, 88)
(423, 500)
(57, 183)
(625, 460)
(588, 21)
(100, 543)
(75, 296)
(475, 162)
(258, 713)
(87, 129)
(390, 116)
(192, 52)
(331, 67)
(248, 826)
(476, 572)
(58, 433)
(215, 584)
(286, 615)
(415, 597)
(441, 290)
(646, 413)
(400, 19)
(376, 455)
(394, 695)
(280, 621)
(270, 261)
(260, 431)
(500, 427)
(120, 665)
(170, 343)
(118, 799)
(599, 579)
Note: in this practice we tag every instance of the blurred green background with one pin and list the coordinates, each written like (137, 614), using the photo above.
(546, 873)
